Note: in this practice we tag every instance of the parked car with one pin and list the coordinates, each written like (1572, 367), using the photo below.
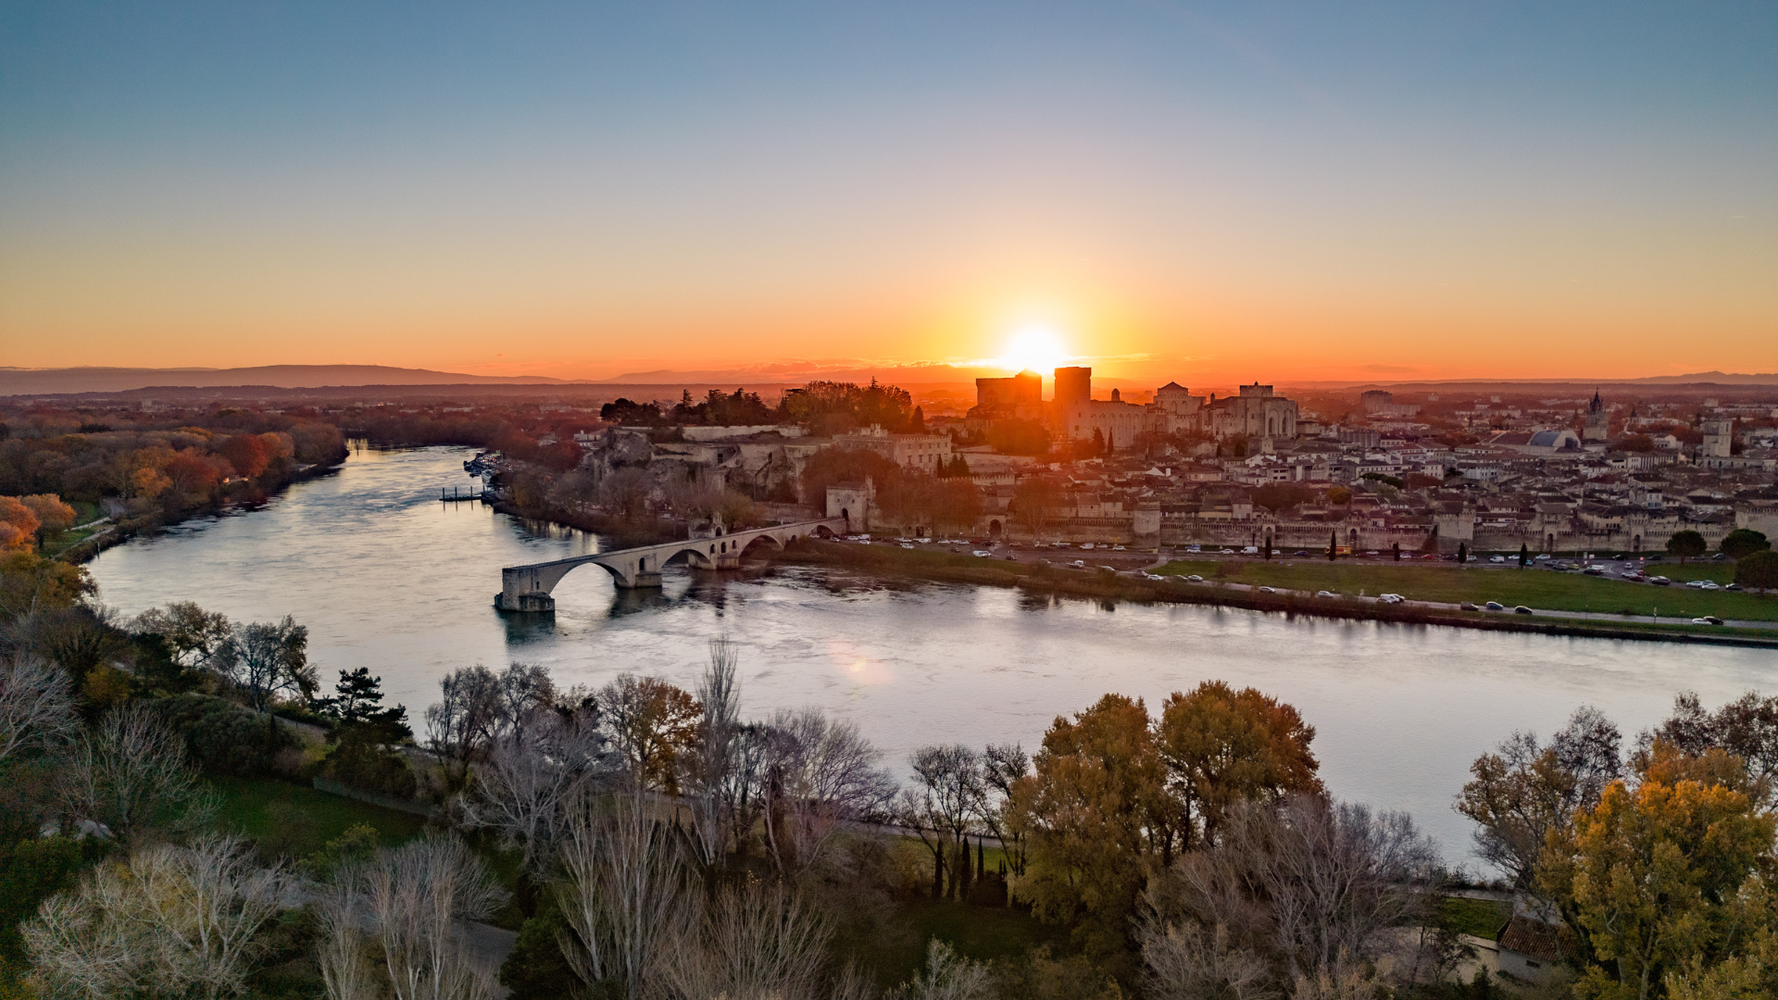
(1466, 606)
(1079, 564)
(1325, 593)
(1521, 610)
(1194, 578)
(1659, 581)
(1733, 586)
(1497, 559)
(1494, 606)
(981, 553)
(1250, 550)
(1391, 598)
(1268, 590)
(1707, 620)
(1117, 548)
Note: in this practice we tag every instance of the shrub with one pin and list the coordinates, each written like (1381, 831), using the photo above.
(361, 762)
(223, 737)
(32, 871)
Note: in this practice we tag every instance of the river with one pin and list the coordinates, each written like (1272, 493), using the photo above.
(386, 576)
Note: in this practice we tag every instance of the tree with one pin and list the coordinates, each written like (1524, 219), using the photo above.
(264, 660)
(1094, 811)
(29, 582)
(945, 798)
(948, 976)
(418, 899)
(1333, 545)
(1524, 791)
(174, 921)
(715, 780)
(1758, 571)
(1524, 555)
(1736, 544)
(18, 525)
(1687, 544)
(531, 778)
(623, 895)
(1002, 765)
(130, 772)
(53, 515)
(192, 635)
(1307, 883)
(36, 709)
(1222, 747)
(358, 701)
(1652, 874)
(1034, 500)
(754, 940)
(1747, 728)
(816, 774)
(465, 719)
(653, 727)
(1462, 553)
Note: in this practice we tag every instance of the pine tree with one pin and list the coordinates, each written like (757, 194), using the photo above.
(1333, 545)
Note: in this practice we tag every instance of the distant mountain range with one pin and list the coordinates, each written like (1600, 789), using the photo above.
(32, 381)
(47, 381)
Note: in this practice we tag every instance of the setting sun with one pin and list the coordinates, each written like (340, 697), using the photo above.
(1037, 348)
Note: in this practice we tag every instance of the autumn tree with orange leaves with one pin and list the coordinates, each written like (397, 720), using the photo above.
(654, 727)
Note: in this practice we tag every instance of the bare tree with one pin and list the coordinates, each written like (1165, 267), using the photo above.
(264, 660)
(180, 920)
(624, 895)
(1309, 883)
(466, 717)
(947, 794)
(129, 772)
(1186, 962)
(947, 976)
(756, 941)
(532, 776)
(419, 897)
(712, 779)
(818, 774)
(1003, 764)
(526, 692)
(1746, 727)
(36, 710)
(342, 945)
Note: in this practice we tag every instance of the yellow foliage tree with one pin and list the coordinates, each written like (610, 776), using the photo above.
(1652, 875)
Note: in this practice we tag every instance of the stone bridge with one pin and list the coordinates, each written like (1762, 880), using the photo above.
(527, 588)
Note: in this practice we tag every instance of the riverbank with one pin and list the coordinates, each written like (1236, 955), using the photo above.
(1045, 579)
(122, 530)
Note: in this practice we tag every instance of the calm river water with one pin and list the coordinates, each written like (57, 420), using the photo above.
(386, 576)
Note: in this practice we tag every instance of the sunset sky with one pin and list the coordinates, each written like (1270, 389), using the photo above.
(1194, 191)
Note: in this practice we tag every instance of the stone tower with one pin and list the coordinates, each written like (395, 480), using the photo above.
(1598, 420)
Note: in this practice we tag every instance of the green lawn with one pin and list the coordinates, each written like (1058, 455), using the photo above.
(289, 818)
(1483, 918)
(1509, 585)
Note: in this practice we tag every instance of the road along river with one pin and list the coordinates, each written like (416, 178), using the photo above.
(386, 576)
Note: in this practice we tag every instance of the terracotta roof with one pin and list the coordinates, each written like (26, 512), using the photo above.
(1533, 938)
